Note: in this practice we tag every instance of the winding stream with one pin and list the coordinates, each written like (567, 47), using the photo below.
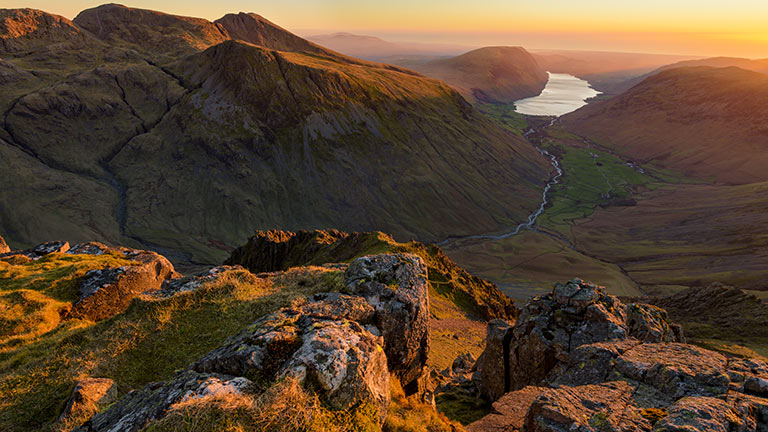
(529, 224)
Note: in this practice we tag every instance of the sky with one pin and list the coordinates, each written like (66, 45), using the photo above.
(691, 27)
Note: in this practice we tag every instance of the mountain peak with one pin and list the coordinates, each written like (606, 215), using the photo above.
(26, 29)
(148, 30)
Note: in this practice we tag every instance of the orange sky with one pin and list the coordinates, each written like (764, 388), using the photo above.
(700, 27)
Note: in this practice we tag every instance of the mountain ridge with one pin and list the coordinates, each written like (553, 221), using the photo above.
(269, 123)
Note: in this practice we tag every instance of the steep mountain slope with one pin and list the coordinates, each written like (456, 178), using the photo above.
(491, 74)
(707, 123)
(192, 156)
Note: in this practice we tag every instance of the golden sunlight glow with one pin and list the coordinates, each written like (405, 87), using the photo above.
(704, 27)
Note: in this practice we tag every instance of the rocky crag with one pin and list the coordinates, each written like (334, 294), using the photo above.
(578, 359)
(346, 345)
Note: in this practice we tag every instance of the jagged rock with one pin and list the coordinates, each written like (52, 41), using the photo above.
(191, 283)
(651, 323)
(88, 395)
(38, 251)
(396, 286)
(492, 361)
(611, 367)
(103, 293)
(329, 341)
(551, 327)
(90, 248)
(277, 250)
(702, 414)
(137, 408)
(4, 246)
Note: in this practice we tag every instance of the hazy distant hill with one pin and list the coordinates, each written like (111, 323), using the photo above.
(605, 71)
(374, 48)
(138, 127)
(706, 122)
(490, 74)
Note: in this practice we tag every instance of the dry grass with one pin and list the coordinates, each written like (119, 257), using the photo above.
(408, 414)
(284, 407)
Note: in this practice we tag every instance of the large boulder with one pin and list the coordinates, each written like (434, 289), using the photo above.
(396, 286)
(329, 342)
(132, 412)
(106, 292)
(550, 327)
(600, 365)
(36, 252)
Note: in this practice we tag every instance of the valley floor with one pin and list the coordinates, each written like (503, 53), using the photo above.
(635, 228)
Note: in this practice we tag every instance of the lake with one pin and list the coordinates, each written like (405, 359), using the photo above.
(564, 93)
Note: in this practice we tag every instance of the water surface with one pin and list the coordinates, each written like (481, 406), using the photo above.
(564, 93)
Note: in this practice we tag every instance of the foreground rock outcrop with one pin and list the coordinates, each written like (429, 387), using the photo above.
(343, 345)
(551, 327)
(579, 359)
(105, 292)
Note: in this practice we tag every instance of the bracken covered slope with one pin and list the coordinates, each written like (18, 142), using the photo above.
(165, 132)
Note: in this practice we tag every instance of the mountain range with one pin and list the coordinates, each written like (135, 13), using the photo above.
(184, 135)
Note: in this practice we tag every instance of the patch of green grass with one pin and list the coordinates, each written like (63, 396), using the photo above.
(505, 116)
(591, 178)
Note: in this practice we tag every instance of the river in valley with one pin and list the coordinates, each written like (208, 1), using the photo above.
(563, 93)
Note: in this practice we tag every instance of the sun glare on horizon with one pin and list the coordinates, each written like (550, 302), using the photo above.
(705, 28)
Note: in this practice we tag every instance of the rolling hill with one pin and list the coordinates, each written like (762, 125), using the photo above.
(719, 62)
(185, 136)
(490, 74)
(706, 123)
